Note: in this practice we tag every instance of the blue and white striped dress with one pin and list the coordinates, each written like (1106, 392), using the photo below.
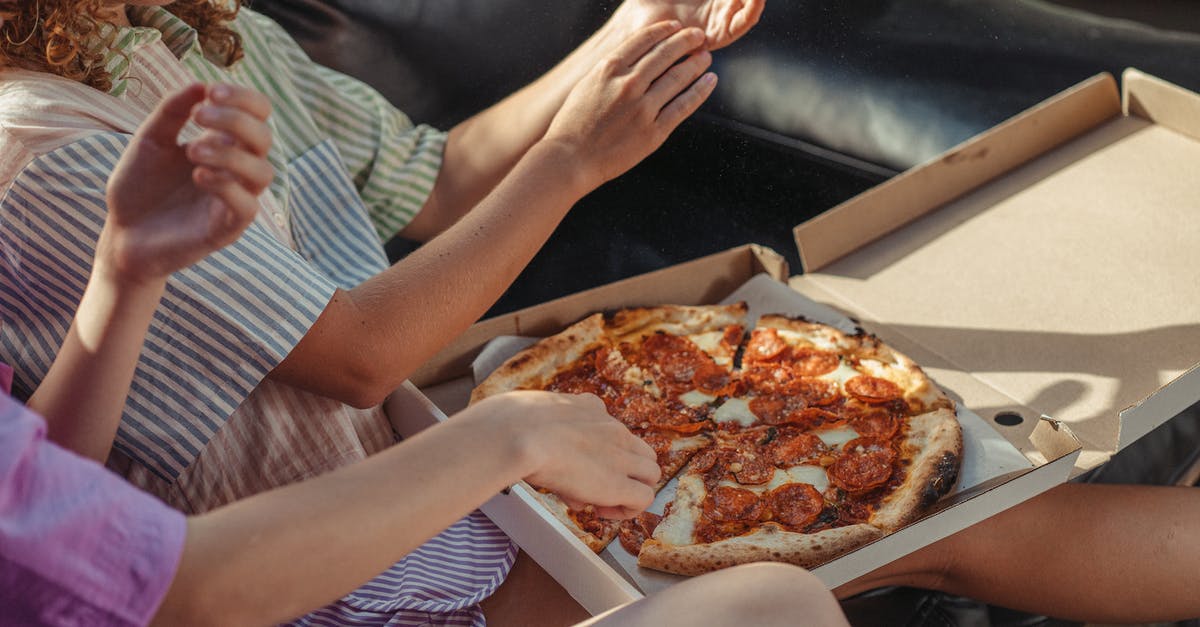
(203, 425)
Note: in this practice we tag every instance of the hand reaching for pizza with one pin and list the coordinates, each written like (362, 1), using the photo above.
(723, 21)
(578, 451)
(170, 205)
(628, 104)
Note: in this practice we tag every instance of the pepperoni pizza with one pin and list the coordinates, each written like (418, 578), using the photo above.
(792, 441)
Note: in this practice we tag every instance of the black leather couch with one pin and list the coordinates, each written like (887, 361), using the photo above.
(820, 102)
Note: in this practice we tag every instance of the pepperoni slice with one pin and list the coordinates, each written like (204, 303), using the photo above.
(634, 531)
(875, 424)
(733, 336)
(610, 365)
(873, 389)
(769, 409)
(796, 504)
(812, 362)
(589, 521)
(712, 379)
(751, 468)
(809, 417)
(636, 409)
(765, 345)
(705, 459)
(728, 504)
(815, 392)
(791, 449)
(864, 464)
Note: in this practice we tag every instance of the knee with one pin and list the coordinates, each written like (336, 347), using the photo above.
(778, 594)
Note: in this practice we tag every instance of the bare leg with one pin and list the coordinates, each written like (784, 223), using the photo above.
(1104, 553)
(530, 596)
(763, 595)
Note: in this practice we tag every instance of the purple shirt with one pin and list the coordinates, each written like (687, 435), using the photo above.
(78, 545)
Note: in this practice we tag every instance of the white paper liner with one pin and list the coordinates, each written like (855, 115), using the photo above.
(986, 454)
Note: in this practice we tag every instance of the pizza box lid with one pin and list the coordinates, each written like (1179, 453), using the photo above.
(1047, 267)
(445, 384)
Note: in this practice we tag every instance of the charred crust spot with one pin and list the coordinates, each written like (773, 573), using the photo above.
(945, 475)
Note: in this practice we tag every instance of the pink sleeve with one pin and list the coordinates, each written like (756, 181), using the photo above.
(78, 545)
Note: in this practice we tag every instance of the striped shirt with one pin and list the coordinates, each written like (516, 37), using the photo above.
(203, 426)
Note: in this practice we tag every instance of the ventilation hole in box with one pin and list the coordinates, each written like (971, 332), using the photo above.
(1009, 418)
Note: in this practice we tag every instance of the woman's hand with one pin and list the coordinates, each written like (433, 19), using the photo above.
(576, 450)
(170, 205)
(723, 21)
(625, 108)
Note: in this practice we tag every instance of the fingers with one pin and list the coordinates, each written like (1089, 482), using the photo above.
(244, 126)
(237, 208)
(168, 118)
(219, 151)
(655, 62)
(732, 20)
(634, 48)
(688, 102)
(237, 138)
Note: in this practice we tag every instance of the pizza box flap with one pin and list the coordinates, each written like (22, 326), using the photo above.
(1053, 259)
(725, 271)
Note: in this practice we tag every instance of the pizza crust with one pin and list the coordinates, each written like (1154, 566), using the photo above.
(768, 543)
(630, 324)
(537, 364)
(934, 446)
(559, 509)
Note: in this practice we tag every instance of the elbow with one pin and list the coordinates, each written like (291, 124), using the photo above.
(361, 385)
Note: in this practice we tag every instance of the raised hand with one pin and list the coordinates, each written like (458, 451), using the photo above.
(723, 21)
(170, 205)
(630, 102)
(578, 451)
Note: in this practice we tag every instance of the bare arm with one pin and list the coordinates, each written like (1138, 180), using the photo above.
(276, 555)
(167, 209)
(1087, 552)
(369, 339)
(483, 149)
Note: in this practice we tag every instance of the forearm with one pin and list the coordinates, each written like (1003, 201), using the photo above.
(279, 554)
(1102, 553)
(371, 338)
(481, 150)
(84, 392)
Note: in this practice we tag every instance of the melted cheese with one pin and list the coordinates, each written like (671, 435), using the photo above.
(812, 475)
(678, 528)
(843, 373)
(696, 398)
(634, 376)
(735, 410)
(684, 444)
(834, 438)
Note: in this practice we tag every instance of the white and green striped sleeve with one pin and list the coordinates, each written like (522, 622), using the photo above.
(393, 162)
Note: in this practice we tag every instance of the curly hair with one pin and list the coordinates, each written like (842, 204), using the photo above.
(51, 35)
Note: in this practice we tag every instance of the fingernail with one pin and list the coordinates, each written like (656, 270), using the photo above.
(709, 78)
(221, 92)
(204, 152)
(675, 24)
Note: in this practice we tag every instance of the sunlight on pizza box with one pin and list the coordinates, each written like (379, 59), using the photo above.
(1052, 260)
(1041, 273)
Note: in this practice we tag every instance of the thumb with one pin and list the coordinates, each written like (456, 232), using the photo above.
(168, 118)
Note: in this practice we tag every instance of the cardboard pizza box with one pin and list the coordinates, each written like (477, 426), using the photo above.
(1042, 273)
(1053, 259)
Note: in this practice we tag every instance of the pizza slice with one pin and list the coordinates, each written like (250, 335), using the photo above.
(834, 440)
(639, 362)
